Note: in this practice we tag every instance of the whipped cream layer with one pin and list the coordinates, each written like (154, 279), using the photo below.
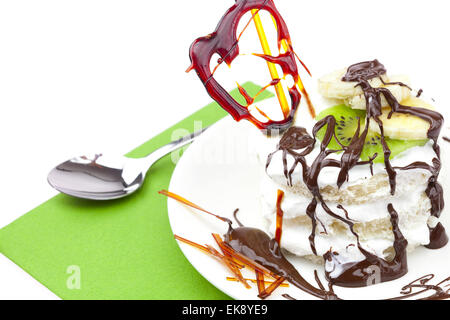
(328, 176)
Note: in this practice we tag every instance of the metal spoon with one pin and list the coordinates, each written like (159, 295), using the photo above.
(104, 177)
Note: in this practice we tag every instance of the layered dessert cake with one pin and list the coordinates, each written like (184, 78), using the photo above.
(344, 176)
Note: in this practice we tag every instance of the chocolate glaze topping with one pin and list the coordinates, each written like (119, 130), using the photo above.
(361, 73)
(297, 143)
(224, 42)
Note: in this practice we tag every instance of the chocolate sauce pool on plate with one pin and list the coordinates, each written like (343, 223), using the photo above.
(259, 247)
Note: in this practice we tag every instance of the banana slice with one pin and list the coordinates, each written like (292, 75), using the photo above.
(404, 126)
(399, 92)
(331, 86)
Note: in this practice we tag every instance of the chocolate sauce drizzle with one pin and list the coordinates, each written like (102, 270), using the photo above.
(364, 273)
(441, 290)
(257, 245)
(224, 42)
(297, 143)
(423, 285)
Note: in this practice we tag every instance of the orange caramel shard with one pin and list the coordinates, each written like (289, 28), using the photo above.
(267, 292)
(280, 213)
(188, 203)
(283, 285)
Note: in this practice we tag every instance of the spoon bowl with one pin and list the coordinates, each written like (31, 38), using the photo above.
(102, 177)
(108, 177)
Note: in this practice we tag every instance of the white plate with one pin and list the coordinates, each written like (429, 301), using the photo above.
(219, 173)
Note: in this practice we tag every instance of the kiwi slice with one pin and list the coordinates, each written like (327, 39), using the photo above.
(346, 126)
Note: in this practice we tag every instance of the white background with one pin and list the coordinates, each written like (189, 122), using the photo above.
(105, 76)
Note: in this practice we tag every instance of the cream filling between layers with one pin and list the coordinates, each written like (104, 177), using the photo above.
(372, 222)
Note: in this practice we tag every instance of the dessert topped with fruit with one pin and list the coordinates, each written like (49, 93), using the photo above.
(361, 186)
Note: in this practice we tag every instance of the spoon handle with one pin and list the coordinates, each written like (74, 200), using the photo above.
(172, 146)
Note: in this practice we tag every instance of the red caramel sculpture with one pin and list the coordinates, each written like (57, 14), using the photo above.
(224, 42)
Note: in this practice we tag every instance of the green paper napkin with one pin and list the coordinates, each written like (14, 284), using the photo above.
(121, 249)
